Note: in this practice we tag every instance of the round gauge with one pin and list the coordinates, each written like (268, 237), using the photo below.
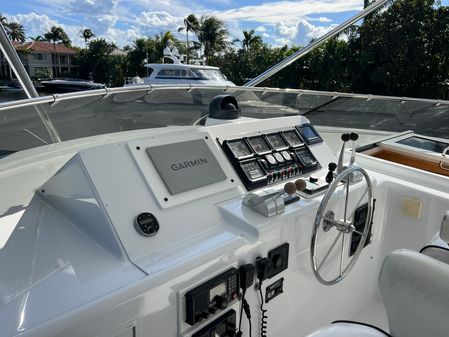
(259, 145)
(239, 148)
(292, 138)
(276, 141)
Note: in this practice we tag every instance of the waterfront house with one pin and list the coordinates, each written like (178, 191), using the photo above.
(41, 59)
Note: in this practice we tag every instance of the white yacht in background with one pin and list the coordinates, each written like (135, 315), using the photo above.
(176, 72)
(128, 212)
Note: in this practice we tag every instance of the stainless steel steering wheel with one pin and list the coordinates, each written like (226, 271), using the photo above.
(327, 224)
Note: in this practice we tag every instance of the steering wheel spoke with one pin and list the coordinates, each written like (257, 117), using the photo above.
(344, 226)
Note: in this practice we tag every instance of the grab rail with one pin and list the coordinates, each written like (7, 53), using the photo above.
(315, 44)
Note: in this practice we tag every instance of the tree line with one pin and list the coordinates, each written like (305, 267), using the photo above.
(402, 51)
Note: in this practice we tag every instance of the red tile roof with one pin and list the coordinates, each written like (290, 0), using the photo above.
(44, 47)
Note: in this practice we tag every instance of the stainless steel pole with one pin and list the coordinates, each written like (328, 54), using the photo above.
(315, 44)
(16, 65)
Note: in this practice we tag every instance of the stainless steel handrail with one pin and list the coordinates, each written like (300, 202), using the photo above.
(315, 44)
(149, 88)
(17, 67)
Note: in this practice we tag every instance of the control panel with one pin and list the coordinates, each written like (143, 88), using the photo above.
(212, 296)
(270, 158)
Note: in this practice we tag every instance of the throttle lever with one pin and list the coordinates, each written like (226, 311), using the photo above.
(346, 137)
(354, 137)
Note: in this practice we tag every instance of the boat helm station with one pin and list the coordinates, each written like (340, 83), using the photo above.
(240, 227)
(207, 211)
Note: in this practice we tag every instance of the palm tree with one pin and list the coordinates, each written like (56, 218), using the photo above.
(249, 39)
(191, 24)
(38, 38)
(57, 34)
(164, 39)
(86, 34)
(212, 34)
(15, 31)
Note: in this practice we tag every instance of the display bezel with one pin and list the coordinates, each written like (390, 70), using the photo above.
(309, 140)
(266, 142)
(288, 142)
(228, 142)
(280, 136)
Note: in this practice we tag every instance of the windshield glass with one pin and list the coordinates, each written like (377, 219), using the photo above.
(122, 109)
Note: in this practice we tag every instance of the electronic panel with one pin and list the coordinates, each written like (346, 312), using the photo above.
(309, 134)
(211, 296)
(271, 158)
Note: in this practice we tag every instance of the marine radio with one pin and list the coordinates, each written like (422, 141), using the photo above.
(212, 296)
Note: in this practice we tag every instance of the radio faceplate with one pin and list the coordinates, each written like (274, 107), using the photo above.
(212, 296)
(270, 158)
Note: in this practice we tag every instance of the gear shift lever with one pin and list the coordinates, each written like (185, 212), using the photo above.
(346, 137)
(354, 137)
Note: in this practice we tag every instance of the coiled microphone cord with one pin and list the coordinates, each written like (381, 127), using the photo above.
(264, 317)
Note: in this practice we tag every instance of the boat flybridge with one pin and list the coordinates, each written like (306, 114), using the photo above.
(131, 212)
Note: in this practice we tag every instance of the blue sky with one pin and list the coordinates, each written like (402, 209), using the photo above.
(122, 21)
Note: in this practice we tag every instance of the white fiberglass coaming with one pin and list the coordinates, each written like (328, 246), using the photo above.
(74, 263)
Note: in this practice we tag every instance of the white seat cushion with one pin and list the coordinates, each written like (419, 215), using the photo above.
(341, 329)
(439, 253)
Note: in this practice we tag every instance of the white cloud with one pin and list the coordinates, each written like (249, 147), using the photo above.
(286, 31)
(261, 29)
(98, 15)
(320, 19)
(280, 42)
(34, 24)
(307, 31)
(159, 19)
(288, 11)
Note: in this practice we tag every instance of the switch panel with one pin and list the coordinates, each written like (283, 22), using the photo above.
(279, 258)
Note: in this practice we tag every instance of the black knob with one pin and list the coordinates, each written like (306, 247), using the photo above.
(220, 302)
(313, 179)
(345, 137)
(330, 175)
(354, 136)
(278, 261)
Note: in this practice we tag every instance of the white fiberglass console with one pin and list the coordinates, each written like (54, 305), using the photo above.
(153, 198)
(154, 236)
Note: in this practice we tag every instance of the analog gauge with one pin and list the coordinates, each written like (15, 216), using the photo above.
(259, 145)
(292, 138)
(276, 141)
(239, 148)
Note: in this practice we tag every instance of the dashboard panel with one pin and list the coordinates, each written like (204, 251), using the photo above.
(270, 158)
